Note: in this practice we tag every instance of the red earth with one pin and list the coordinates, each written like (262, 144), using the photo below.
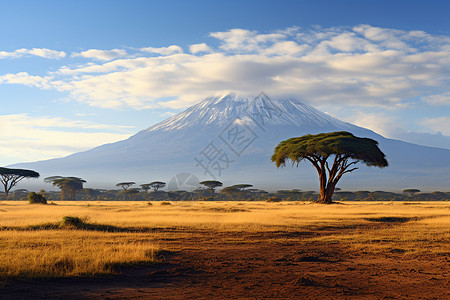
(205, 264)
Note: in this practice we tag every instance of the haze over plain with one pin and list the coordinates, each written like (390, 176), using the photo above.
(105, 73)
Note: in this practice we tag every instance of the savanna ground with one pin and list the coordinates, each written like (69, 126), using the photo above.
(217, 250)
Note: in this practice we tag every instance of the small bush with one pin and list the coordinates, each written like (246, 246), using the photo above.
(273, 199)
(166, 203)
(73, 222)
(149, 204)
(34, 198)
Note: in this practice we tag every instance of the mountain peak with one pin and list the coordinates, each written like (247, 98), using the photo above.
(221, 109)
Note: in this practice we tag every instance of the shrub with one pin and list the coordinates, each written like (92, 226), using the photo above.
(166, 203)
(273, 199)
(69, 221)
(34, 198)
(149, 204)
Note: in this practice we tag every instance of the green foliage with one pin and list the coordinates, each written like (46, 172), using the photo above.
(145, 187)
(156, 185)
(411, 192)
(179, 195)
(69, 185)
(34, 198)
(125, 185)
(132, 193)
(326, 144)
(92, 194)
(10, 177)
(211, 184)
(241, 187)
(72, 222)
(344, 149)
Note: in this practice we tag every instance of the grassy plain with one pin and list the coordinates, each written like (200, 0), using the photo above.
(34, 245)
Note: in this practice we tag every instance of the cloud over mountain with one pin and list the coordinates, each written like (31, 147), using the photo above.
(363, 65)
(41, 52)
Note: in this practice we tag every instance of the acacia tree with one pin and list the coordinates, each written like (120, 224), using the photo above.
(10, 177)
(242, 187)
(411, 192)
(342, 148)
(211, 184)
(69, 185)
(230, 191)
(235, 190)
(125, 186)
(145, 187)
(156, 185)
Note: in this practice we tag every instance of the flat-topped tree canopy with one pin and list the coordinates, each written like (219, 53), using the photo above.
(69, 185)
(341, 143)
(346, 149)
(125, 185)
(211, 184)
(10, 177)
(156, 185)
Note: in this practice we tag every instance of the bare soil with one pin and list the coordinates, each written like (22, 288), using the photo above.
(205, 264)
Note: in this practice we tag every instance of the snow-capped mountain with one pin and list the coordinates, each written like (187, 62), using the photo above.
(231, 138)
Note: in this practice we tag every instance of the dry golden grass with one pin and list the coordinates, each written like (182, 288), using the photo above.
(409, 229)
(60, 253)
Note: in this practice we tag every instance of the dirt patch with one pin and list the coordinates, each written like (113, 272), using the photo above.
(392, 219)
(206, 264)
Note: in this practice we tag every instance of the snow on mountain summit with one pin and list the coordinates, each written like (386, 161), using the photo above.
(220, 110)
(232, 137)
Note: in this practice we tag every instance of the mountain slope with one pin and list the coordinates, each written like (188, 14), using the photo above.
(231, 138)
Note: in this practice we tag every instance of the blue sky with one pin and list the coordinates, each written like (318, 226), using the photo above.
(74, 75)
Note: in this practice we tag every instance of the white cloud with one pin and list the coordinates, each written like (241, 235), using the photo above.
(386, 124)
(440, 124)
(101, 54)
(38, 138)
(285, 48)
(442, 99)
(24, 120)
(41, 52)
(197, 48)
(163, 50)
(381, 123)
(26, 79)
(241, 40)
(364, 65)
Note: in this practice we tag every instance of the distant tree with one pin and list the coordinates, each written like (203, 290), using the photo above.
(242, 187)
(92, 193)
(410, 192)
(230, 191)
(20, 193)
(237, 191)
(69, 185)
(211, 184)
(10, 177)
(343, 148)
(156, 185)
(34, 198)
(132, 193)
(145, 187)
(361, 195)
(125, 186)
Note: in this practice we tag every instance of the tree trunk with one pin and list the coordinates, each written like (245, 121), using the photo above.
(324, 193)
(6, 191)
(326, 198)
